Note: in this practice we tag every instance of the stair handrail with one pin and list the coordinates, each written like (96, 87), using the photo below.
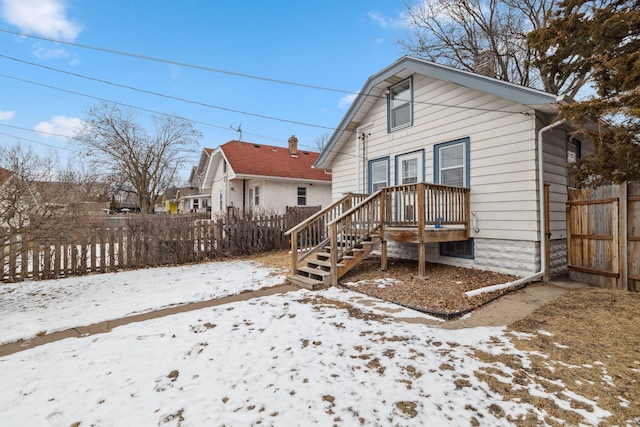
(353, 236)
(315, 223)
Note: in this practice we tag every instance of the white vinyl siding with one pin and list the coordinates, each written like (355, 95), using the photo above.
(502, 164)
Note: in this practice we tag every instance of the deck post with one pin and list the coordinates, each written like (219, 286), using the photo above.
(383, 255)
(333, 239)
(294, 252)
(383, 220)
(421, 260)
(421, 228)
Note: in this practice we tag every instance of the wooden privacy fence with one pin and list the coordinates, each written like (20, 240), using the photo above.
(603, 236)
(143, 241)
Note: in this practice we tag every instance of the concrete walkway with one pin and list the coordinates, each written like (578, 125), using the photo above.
(501, 312)
(515, 305)
(106, 326)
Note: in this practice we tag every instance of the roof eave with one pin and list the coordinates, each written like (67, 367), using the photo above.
(533, 98)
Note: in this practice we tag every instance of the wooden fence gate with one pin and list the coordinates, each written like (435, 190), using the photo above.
(603, 236)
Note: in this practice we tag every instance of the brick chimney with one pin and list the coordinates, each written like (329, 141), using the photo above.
(485, 64)
(293, 145)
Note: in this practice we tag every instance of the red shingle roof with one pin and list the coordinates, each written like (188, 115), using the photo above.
(246, 158)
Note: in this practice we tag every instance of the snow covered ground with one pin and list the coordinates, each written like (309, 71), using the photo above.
(302, 358)
(27, 308)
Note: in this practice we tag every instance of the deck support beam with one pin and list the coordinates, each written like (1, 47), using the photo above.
(383, 255)
(422, 264)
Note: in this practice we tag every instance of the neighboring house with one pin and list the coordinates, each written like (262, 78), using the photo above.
(5, 175)
(202, 201)
(416, 121)
(264, 179)
(183, 200)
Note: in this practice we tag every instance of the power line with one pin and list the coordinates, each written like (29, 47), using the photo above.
(182, 64)
(30, 140)
(226, 129)
(233, 73)
(203, 104)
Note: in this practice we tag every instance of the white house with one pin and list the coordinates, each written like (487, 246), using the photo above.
(417, 121)
(259, 178)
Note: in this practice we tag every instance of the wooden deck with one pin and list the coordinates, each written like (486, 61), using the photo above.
(337, 238)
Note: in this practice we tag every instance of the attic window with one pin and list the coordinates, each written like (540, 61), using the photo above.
(305, 153)
(256, 145)
(400, 105)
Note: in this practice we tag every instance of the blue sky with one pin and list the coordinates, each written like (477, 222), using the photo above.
(332, 44)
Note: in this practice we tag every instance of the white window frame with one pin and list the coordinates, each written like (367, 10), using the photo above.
(254, 194)
(418, 157)
(400, 97)
(464, 165)
(375, 185)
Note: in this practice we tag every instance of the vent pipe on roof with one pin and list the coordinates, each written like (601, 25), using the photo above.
(293, 145)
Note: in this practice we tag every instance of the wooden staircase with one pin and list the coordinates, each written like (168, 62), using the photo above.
(317, 271)
(331, 242)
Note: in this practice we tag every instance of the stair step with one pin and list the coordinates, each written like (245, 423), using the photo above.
(305, 282)
(314, 271)
(321, 263)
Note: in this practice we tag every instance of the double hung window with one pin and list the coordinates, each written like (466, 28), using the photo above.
(400, 105)
(379, 174)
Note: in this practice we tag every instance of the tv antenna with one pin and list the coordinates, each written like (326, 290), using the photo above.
(239, 130)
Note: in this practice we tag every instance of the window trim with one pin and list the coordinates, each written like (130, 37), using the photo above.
(398, 165)
(254, 196)
(304, 196)
(390, 92)
(466, 161)
(370, 170)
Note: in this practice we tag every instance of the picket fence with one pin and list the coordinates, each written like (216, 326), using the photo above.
(136, 241)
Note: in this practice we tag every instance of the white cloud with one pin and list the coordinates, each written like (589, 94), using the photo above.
(42, 17)
(60, 126)
(44, 52)
(379, 19)
(399, 21)
(7, 115)
(346, 100)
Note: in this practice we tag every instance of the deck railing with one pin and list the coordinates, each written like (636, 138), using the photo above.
(424, 204)
(418, 205)
(313, 233)
(353, 227)
(350, 221)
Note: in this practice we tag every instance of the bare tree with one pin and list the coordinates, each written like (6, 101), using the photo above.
(321, 141)
(464, 33)
(38, 199)
(120, 146)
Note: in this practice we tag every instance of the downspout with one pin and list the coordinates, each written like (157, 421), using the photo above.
(244, 196)
(543, 231)
(360, 161)
(543, 241)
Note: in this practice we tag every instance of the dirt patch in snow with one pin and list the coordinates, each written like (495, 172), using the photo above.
(588, 341)
(441, 292)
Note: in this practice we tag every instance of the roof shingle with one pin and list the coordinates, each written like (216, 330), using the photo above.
(246, 158)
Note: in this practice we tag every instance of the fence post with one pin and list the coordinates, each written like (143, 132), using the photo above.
(623, 238)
